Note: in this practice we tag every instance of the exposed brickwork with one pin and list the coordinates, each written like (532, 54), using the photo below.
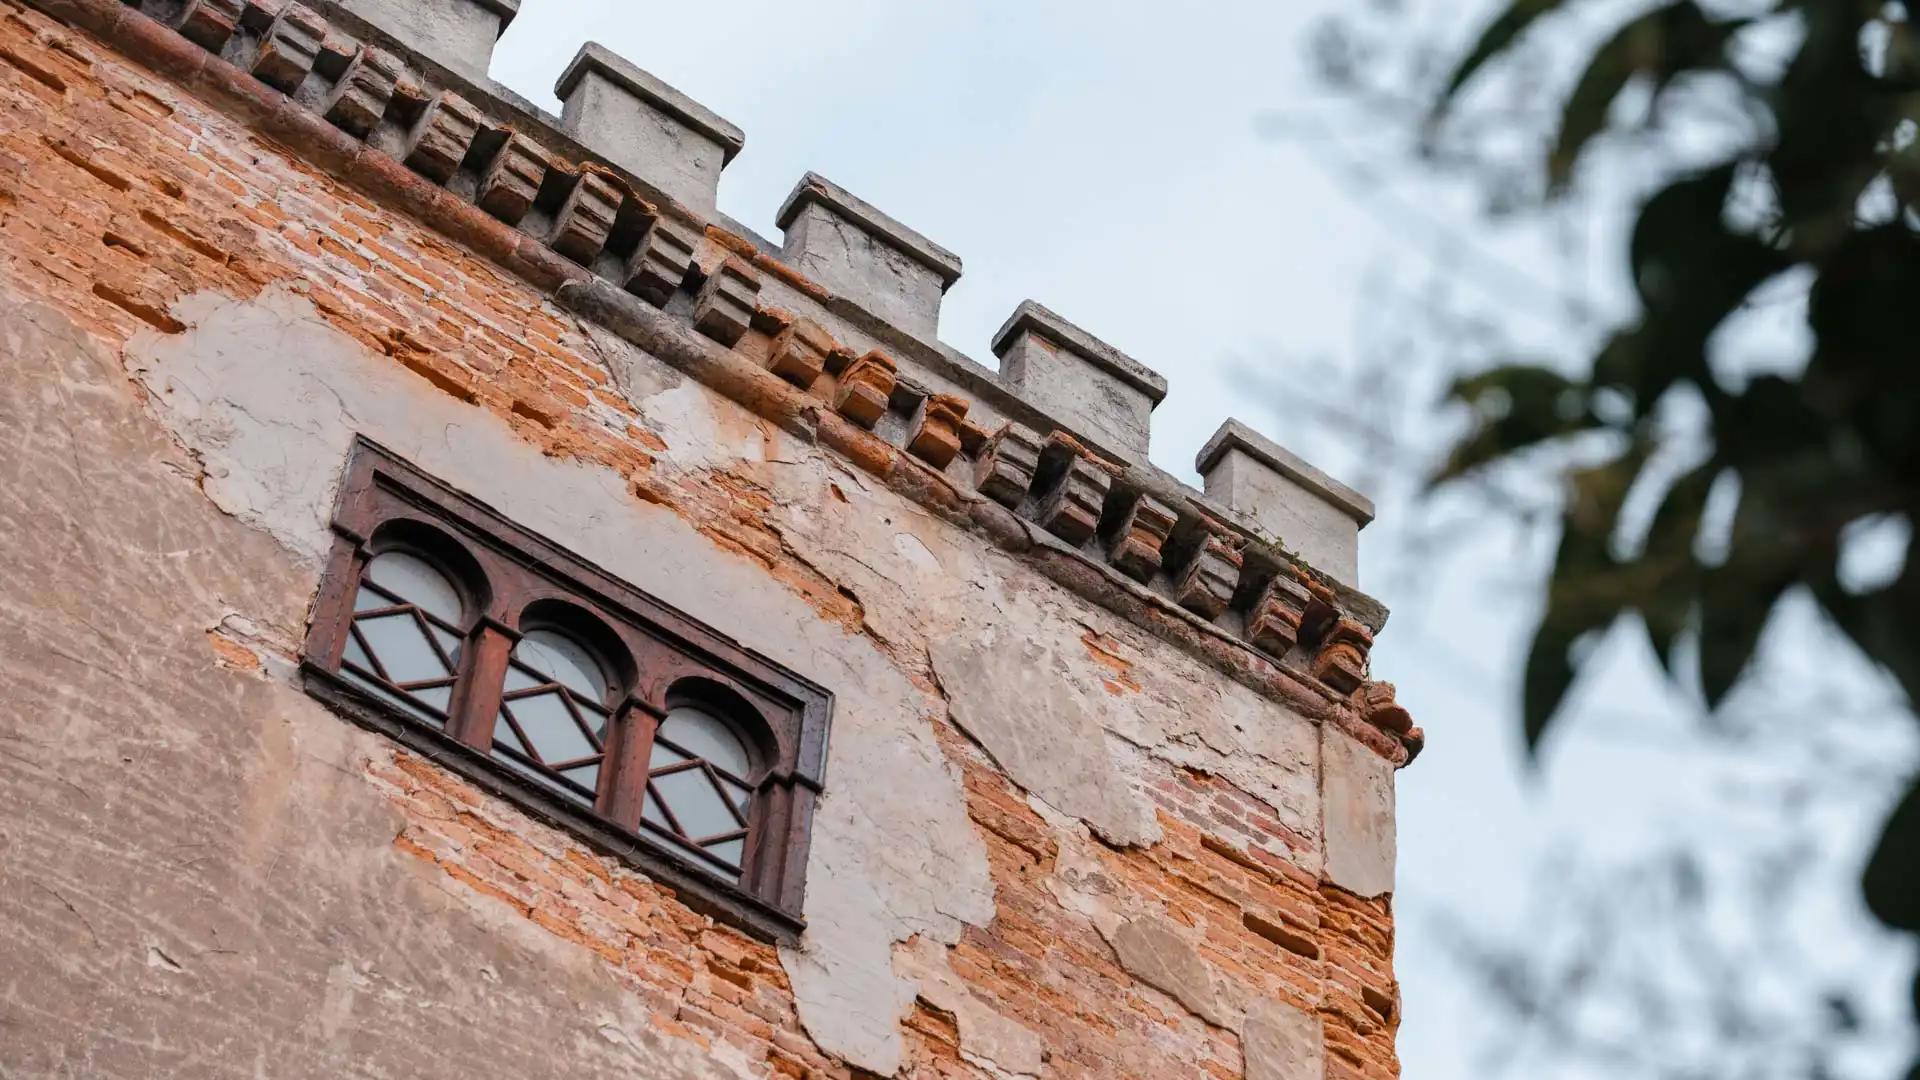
(120, 194)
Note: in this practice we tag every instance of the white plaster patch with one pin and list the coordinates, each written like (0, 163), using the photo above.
(267, 397)
(1003, 1047)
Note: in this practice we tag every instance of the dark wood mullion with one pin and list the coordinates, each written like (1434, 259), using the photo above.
(720, 789)
(625, 778)
(719, 838)
(379, 669)
(666, 809)
(433, 640)
(482, 678)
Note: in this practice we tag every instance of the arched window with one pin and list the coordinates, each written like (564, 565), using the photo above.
(550, 683)
(403, 643)
(555, 711)
(698, 787)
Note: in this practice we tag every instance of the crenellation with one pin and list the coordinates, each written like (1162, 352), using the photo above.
(724, 308)
(841, 240)
(657, 133)
(1305, 510)
(1104, 394)
(1070, 695)
(457, 34)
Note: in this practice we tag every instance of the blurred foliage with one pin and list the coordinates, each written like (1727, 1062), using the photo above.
(1821, 185)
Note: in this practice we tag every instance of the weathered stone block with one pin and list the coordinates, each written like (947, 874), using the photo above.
(442, 136)
(1310, 513)
(211, 23)
(1071, 511)
(1101, 392)
(1137, 544)
(866, 386)
(1205, 585)
(1279, 1042)
(800, 352)
(1154, 951)
(459, 34)
(724, 308)
(843, 242)
(290, 47)
(937, 440)
(586, 218)
(512, 181)
(359, 100)
(1357, 811)
(1006, 468)
(1342, 660)
(1274, 624)
(661, 263)
(647, 127)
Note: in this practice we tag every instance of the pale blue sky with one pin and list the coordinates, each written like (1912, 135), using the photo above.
(1105, 159)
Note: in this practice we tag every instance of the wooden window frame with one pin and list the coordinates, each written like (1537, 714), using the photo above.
(507, 570)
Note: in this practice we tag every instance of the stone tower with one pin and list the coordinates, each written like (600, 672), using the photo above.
(472, 608)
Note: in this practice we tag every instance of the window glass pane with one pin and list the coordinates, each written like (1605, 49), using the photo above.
(356, 655)
(705, 735)
(696, 803)
(450, 642)
(437, 696)
(406, 704)
(503, 735)
(651, 812)
(518, 679)
(565, 661)
(555, 735)
(729, 851)
(587, 777)
(419, 582)
(403, 650)
(741, 793)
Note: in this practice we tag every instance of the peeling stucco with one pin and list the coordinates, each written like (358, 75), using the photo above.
(266, 397)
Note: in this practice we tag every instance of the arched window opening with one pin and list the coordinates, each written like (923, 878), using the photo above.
(699, 791)
(555, 712)
(403, 642)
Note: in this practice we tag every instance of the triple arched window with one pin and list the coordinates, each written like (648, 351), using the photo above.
(559, 686)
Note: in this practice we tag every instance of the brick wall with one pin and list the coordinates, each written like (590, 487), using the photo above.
(120, 195)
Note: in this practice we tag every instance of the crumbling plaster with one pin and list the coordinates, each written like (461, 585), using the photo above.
(191, 859)
(265, 397)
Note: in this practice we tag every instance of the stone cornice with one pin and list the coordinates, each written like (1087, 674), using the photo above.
(587, 237)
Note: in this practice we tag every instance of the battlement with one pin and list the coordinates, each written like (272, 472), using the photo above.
(610, 209)
(625, 640)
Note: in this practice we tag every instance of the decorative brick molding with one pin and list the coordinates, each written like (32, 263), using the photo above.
(585, 235)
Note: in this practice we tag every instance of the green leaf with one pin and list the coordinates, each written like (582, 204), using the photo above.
(1892, 878)
(1667, 563)
(1585, 594)
(1660, 44)
(1494, 40)
(1518, 406)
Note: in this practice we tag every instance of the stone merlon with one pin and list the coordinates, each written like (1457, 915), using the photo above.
(841, 240)
(458, 34)
(645, 126)
(1100, 390)
(1310, 513)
